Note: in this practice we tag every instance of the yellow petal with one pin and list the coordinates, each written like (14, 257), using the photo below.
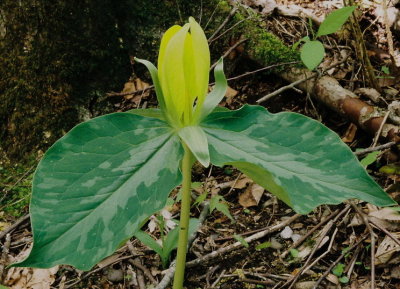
(171, 73)
(201, 59)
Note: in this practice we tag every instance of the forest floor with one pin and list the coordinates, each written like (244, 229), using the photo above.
(252, 239)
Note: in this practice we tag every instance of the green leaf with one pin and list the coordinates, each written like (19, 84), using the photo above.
(218, 202)
(312, 53)
(148, 112)
(200, 199)
(296, 158)
(224, 209)
(196, 140)
(148, 241)
(338, 269)
(344, 279)
(95, 186)
(370, 159)
(294, 253)
(217, 94)
(241, 240)
(171, 242)
(264, 245)
(334, 21)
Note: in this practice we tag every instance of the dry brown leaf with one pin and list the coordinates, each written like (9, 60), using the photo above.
(333, 279)
(386, 249)
(230, 94)
(108, 260)
(252, 195)
(350, 133)
(29, 278)
(242, 182)
(387, 214)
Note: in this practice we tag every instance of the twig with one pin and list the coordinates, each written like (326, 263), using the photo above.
(375, 148)
(378, 133)
(309, 233)
(13, 226)
(365, 220)
(236, 245)
(316, 285)
(229, 51)
(293, 84)
(218, 279)
(262, 69)
(129, 93)
(233, 11)
(144, 269)
(98, 269)
(324, 232)
(3, 258)
(229, 29)
(323, 254)
(397, 241)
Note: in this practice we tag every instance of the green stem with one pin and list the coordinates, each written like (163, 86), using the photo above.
(184, 221)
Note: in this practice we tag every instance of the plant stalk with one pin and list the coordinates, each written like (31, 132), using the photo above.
(184, 220)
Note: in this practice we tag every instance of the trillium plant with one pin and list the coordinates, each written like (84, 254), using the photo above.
(96, 185)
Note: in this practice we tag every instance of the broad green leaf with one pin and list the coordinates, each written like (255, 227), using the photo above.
(216, 95)
(296, 158)
(148, 112)
(334, 21)
(95, 186)
(148, 241)
(312, 53)
(195, 138)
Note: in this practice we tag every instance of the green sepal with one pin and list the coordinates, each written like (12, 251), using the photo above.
(216, 95)
(195, 138)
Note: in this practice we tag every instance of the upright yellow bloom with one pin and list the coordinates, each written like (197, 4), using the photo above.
(183, 71)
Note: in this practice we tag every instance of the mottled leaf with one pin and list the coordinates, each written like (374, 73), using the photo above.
(296, 158)
(95, 186)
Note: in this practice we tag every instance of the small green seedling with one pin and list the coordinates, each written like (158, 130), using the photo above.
(338, 271)
(169, 241)
(95, 186)
(313, 51)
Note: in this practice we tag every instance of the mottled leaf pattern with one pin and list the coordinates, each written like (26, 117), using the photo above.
(96, 184)
(298, 159)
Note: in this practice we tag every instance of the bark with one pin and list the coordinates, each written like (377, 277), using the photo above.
(328, 91)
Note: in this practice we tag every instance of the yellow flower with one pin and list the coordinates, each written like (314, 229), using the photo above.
(183, 72)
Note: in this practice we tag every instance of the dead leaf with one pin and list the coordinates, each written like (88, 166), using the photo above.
(29, 278)
(350, 133)
(252, 195)
(387, 214)
(386, 249)
(230, 94)
(108, 260)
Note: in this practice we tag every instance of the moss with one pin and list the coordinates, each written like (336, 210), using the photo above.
(262, 46)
